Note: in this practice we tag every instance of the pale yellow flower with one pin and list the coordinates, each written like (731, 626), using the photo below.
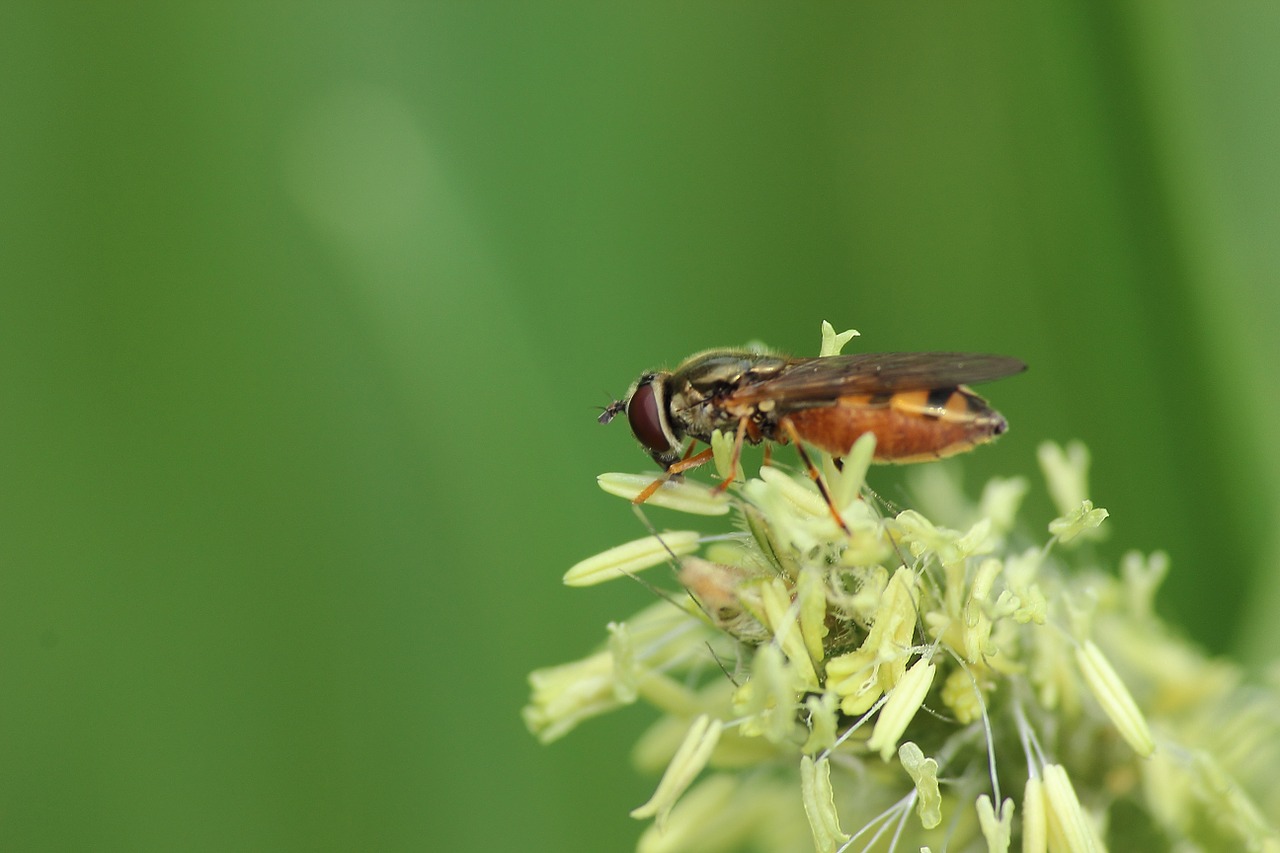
(792, 659)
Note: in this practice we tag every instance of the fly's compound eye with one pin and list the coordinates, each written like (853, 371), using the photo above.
(648, 421)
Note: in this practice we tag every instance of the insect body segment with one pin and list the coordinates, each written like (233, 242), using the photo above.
(910, 426)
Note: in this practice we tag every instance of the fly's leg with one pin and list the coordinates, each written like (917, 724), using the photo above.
(735, 456)
(814, 475)
(685, 464)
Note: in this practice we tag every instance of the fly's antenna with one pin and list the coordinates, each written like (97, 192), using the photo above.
(611, 411)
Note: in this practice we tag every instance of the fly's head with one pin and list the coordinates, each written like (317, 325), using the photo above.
(646, 405)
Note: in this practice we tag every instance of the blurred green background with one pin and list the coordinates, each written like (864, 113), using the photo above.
(306, 308)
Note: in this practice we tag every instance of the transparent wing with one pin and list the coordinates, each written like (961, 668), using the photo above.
(817, 380)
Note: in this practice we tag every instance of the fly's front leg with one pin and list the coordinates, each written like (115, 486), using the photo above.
(687, 463)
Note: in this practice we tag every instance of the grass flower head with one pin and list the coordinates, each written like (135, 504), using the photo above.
(916, 682)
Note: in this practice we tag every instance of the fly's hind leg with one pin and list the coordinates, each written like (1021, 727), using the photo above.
(814, 474)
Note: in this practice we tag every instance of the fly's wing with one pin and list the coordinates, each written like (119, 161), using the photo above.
(816, 381)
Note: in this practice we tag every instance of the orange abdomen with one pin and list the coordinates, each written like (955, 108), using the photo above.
(910, 426)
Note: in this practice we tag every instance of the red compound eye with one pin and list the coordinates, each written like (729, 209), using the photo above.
(646, 419)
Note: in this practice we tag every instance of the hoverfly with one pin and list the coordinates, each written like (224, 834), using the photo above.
(918, 404)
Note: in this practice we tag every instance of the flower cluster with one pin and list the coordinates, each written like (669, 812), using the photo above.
(908, 685)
